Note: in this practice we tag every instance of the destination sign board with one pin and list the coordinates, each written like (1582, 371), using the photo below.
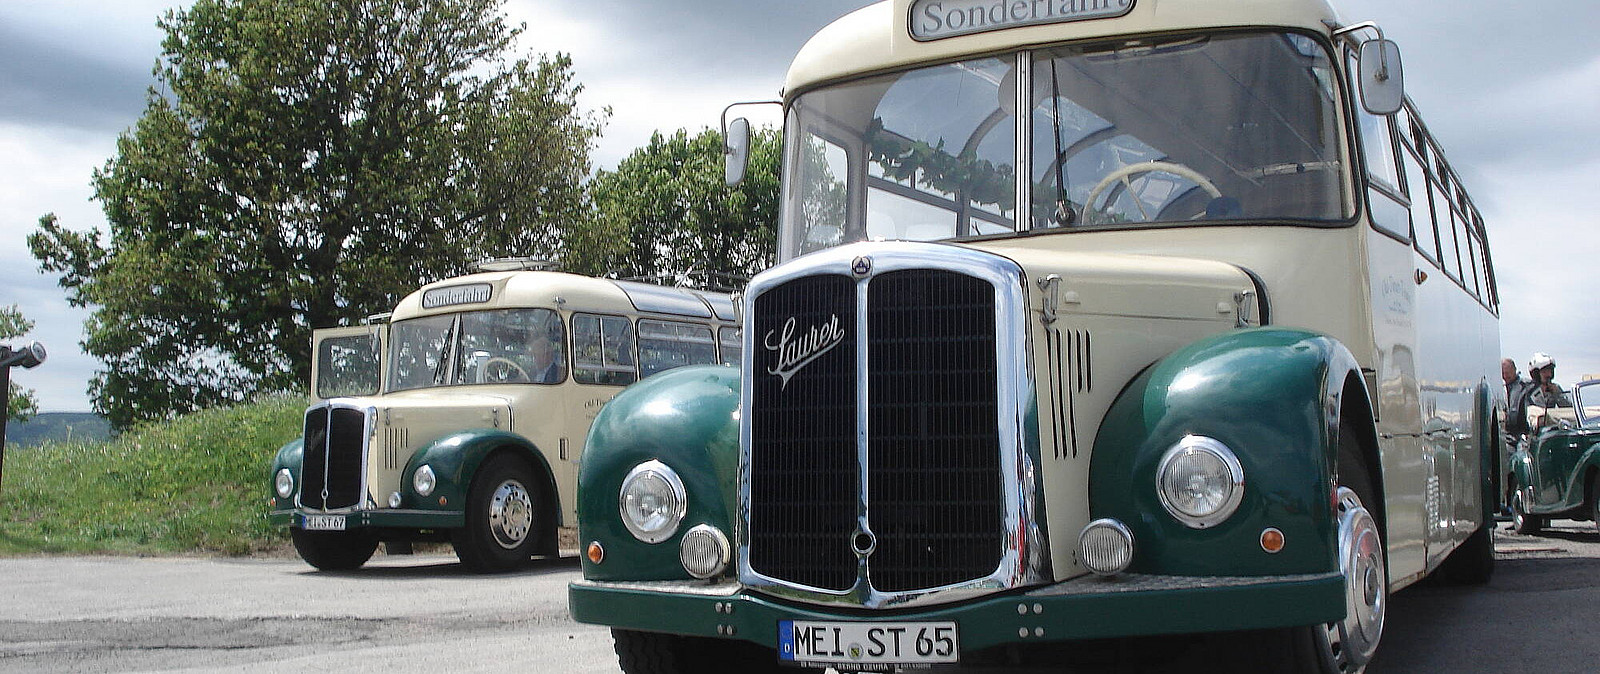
(935, 19)
(474, 293)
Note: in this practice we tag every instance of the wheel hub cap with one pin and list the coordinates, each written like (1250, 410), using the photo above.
(510, 514)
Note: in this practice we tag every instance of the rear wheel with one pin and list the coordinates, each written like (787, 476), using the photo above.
(334, 550)
(653, 653)
(1594, 499)
(1473, 562)
(506, 518)
(1521, 521)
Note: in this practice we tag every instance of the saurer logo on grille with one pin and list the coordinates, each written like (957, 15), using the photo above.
(795, 351)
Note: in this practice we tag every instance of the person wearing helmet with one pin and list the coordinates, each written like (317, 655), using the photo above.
(1546, 392)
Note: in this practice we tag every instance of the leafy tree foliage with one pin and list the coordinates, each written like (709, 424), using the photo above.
(666, 213)
(22, 404)
(303, 163)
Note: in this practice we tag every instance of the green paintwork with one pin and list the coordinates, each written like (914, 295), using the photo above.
(1272, 396)
(684, 418)
(991, 621)
(455, 459)
(1568, 459)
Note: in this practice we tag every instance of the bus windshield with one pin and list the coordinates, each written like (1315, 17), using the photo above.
(478, 347)
(1186, 130)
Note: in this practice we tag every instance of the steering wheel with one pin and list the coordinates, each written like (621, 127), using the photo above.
(1123, 173)
(499, 370)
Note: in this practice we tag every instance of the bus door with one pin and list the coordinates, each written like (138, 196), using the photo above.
(348, 361)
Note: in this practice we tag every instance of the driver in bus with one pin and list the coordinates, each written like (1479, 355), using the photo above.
(545, 351)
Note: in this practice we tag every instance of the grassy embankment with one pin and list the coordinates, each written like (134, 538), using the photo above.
(198, 484)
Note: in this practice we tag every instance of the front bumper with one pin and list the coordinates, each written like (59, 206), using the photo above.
(1083, 608)
(379, 519)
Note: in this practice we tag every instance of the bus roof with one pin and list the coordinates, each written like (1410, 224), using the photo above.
(499, 290)
(878, 37)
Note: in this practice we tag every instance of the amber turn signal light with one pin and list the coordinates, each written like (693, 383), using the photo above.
(596, 553)
(1271, 540)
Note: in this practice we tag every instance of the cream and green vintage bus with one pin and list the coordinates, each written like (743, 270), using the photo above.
(463, 416)
(1093, 318)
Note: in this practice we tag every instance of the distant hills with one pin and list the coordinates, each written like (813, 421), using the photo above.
(57, 426)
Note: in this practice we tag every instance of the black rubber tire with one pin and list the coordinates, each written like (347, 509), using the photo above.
(334, 550)
(1594, 500)
(477, 544)
(655, 653)
(1521, 521)
(1472, 563)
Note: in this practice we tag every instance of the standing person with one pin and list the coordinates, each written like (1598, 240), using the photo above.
(1517, 389)
(1546, 392)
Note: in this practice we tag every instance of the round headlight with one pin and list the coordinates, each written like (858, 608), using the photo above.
(1200, 481)
(424, 481)
(1106, 546)
(704, 551)
(652, 501)
(284, 483)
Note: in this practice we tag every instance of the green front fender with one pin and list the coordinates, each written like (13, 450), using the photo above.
(1273, 396)
(687, 419)
(455, 459)
(289, 456)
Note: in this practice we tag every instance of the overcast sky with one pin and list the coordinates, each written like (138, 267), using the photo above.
(1511, 90)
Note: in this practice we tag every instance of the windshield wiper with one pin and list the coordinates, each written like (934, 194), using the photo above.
(1065, 216)
(441, 369)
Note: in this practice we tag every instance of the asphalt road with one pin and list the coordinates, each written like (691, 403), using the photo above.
(425, 613)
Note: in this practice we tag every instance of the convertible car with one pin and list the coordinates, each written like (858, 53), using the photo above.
(1557, 469)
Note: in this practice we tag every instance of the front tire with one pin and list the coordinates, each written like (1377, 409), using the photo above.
(334, 550)
(506, 518)
(1521, 521)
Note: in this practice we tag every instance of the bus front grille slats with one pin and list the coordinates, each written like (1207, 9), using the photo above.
(333, 459)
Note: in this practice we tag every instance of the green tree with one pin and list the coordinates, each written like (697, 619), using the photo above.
(304, 163)
(666, 213)
(22, 404)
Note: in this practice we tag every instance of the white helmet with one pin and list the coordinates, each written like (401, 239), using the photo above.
(1540, 361)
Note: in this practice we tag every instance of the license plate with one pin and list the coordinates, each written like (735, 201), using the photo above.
(323, 523)
(868, 643)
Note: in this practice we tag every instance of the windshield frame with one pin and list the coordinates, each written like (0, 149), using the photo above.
(449, 364)
(1341, 142)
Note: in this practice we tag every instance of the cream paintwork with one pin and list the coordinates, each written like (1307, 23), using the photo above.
(875, 38)
(1136, 309)
(554, 417)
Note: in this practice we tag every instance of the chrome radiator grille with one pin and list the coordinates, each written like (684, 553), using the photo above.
(927, 484)
(333, 466)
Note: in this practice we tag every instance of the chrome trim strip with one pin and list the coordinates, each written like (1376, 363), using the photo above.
(1026, 557)
(368, 422)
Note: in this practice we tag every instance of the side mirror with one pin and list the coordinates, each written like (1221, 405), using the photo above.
(735, 151)
(29, 356)
(1382, 82)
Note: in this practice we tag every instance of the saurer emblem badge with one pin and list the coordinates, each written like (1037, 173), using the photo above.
(796, 350)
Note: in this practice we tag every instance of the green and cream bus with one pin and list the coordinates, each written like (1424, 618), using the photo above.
(1092, 318)
(462, 416)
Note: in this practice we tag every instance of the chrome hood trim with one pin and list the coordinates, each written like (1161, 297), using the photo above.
(1025, 559)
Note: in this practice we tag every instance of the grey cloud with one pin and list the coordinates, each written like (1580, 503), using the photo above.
(44, 84)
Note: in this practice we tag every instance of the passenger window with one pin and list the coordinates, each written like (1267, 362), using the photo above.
(664, 345)
(1445, 225)
(732, 343)
(347, 366)
(602, 350)
(1421, 219)
(1476, 286)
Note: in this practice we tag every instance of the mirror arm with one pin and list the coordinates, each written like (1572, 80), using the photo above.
(726, 149)
(1383, 68)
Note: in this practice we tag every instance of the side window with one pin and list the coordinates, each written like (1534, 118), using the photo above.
(732, 343)
(602, 350)
(1491, 288)
(664, 345)
(1475, 285)
(1442, 218)
(1421, 218)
